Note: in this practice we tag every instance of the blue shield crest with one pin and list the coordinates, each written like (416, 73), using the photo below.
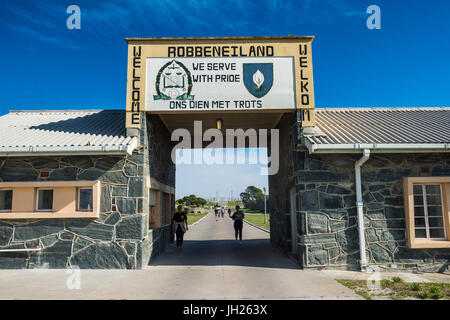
(258, 78)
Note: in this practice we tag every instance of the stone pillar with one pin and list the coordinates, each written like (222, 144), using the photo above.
(158, 165)
(280, 184)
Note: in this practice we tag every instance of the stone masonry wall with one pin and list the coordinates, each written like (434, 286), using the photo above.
(327, 210)
(159, 165)
(280, 184)
(111, 241)
(160, 149)
(119, 238)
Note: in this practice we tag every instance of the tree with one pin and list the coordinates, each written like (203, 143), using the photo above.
(192, 201)
(232, 204)
(253, 198)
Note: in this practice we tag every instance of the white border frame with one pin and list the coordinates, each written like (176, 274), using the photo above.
(37, 200)
(425, 208)
(12, 195)
(78, 199)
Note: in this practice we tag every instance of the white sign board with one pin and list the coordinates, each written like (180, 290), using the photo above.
(207, 84)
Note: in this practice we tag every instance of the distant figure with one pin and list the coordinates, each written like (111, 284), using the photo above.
(179, 225)
(229, 212)
(217, 210)
(222, 211)
(238, 218)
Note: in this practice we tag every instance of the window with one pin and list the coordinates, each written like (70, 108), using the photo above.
(5, 200)
(427, 210)
(85, 199)
(429, 220)
(44, 200)
(152, 197)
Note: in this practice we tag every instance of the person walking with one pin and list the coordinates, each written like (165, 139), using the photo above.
(216, 211)
(229, 212)
(179, 225)
(222, 211)
(238, 218)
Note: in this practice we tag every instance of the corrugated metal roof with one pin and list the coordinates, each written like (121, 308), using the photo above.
(70, 131)
(382, 126)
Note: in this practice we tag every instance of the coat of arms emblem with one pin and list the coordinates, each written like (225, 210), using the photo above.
(173, 82)
(258, 78)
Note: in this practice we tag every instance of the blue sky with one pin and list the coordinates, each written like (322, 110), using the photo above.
(222, 180)
(46, 66)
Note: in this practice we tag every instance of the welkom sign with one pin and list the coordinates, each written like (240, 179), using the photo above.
(258, 74)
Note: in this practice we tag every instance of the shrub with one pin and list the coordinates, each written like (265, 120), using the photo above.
(415, 287)
(436, 293)
(423, 295)
(397, 280)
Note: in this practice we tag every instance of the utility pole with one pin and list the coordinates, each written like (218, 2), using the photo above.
(265, 208)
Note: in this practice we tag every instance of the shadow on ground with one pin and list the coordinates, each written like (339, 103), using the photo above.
(251, 253)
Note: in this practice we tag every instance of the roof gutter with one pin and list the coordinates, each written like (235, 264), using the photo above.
(377, 147)
(68, 150)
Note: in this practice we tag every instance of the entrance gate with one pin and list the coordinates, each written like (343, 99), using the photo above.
(222, 92)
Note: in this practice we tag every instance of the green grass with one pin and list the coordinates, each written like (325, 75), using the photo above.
(251, 211)
(364, 294)
(398, 289)
(258, 220)
(194, 217)
(348, 283)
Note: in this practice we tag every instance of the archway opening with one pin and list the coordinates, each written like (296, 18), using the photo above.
(243, 160)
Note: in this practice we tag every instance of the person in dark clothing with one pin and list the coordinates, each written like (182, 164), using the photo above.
(238, 218)
(229, 212)
(179, 225)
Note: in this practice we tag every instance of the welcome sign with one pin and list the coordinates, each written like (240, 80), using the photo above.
(229, 74)
(202, 84)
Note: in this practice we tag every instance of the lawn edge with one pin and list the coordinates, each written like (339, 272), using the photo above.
(199, 220)
(262, 229)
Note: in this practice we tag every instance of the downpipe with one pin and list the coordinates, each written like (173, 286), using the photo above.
(360, 211)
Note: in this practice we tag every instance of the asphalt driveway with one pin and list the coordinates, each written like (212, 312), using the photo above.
(210, 265)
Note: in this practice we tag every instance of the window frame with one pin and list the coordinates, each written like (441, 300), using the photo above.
(79, 197)
(37, 199)
(408, 186)
(425, 211)
(12, 195)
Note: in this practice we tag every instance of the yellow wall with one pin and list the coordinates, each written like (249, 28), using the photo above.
(155, 212)
(24, 199)
(65, 199)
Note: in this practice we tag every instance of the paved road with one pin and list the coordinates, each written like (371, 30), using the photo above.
(210, 265)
